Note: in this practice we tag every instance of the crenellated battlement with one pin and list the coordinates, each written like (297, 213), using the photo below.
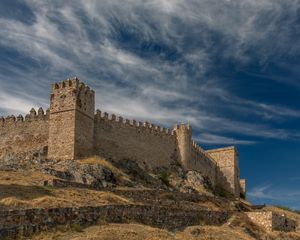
(68, 83)
(72, 108)
(71, 83)
(71, 94)
(201, 151)
(72, 129)
(102, 117)
(32, 116)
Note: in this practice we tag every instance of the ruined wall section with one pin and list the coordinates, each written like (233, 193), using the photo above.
(149, 145)
(272, 221)
(227, 160)
(20, 136)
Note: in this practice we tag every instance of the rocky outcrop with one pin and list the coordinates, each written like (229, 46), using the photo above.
(94, 175)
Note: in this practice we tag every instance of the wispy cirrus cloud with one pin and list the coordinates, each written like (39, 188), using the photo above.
(151, 60)
(269, 192)
(208, 138)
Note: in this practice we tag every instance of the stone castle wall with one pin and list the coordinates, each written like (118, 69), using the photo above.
(72, 108)
(201, 162)
(20, 135)
(227, 160)
(72, 130)
(150, 146)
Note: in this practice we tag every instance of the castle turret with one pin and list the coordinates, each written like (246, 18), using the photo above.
(71, 120)
(228, 163)
(184, 142)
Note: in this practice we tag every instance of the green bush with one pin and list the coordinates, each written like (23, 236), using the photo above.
(76, 227)
(220, 191)
(164, 176)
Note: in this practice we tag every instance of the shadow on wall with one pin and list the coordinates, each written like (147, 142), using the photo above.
(23, 192)
(223, 187)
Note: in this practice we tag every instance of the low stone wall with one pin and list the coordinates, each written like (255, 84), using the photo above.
(25, 222)
(272, 221)
(282, 223)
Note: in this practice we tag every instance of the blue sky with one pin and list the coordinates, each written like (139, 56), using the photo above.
(229, 67)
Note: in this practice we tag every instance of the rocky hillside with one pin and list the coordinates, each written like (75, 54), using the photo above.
(93, 198)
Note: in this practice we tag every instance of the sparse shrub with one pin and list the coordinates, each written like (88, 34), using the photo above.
(76, 227)
(164, 176)
(242, 195)
(201, 219)
(220, 191)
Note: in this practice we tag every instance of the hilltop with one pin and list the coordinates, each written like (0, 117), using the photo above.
(108, 184)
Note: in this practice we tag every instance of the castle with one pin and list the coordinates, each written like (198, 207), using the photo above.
(71, 129)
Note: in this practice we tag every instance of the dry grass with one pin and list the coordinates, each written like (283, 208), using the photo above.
(68, 197)
(25, 190)
(291, 215)
(138, 232)
(110, 232)
(26, 178)
(212, 233)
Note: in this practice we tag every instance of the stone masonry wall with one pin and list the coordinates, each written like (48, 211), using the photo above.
(272, 221)
(227, 160)
(19, 136)
(263, 219)
(25, 222)
(71, 127)
(282, 223)
(148, 145)
(201, 162)
(72, 130)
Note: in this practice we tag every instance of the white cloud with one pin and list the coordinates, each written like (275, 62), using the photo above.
(17, 105)
(208, 138)
(267, 192)
(82, 38)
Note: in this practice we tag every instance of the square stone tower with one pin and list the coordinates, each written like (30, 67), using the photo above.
(228, 163)
(71, 122)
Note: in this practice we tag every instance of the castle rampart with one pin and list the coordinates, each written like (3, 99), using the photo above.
(71, 129)
(149, 145)
(20, 135)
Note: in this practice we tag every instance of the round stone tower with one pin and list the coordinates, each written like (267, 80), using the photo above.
(184, 143)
